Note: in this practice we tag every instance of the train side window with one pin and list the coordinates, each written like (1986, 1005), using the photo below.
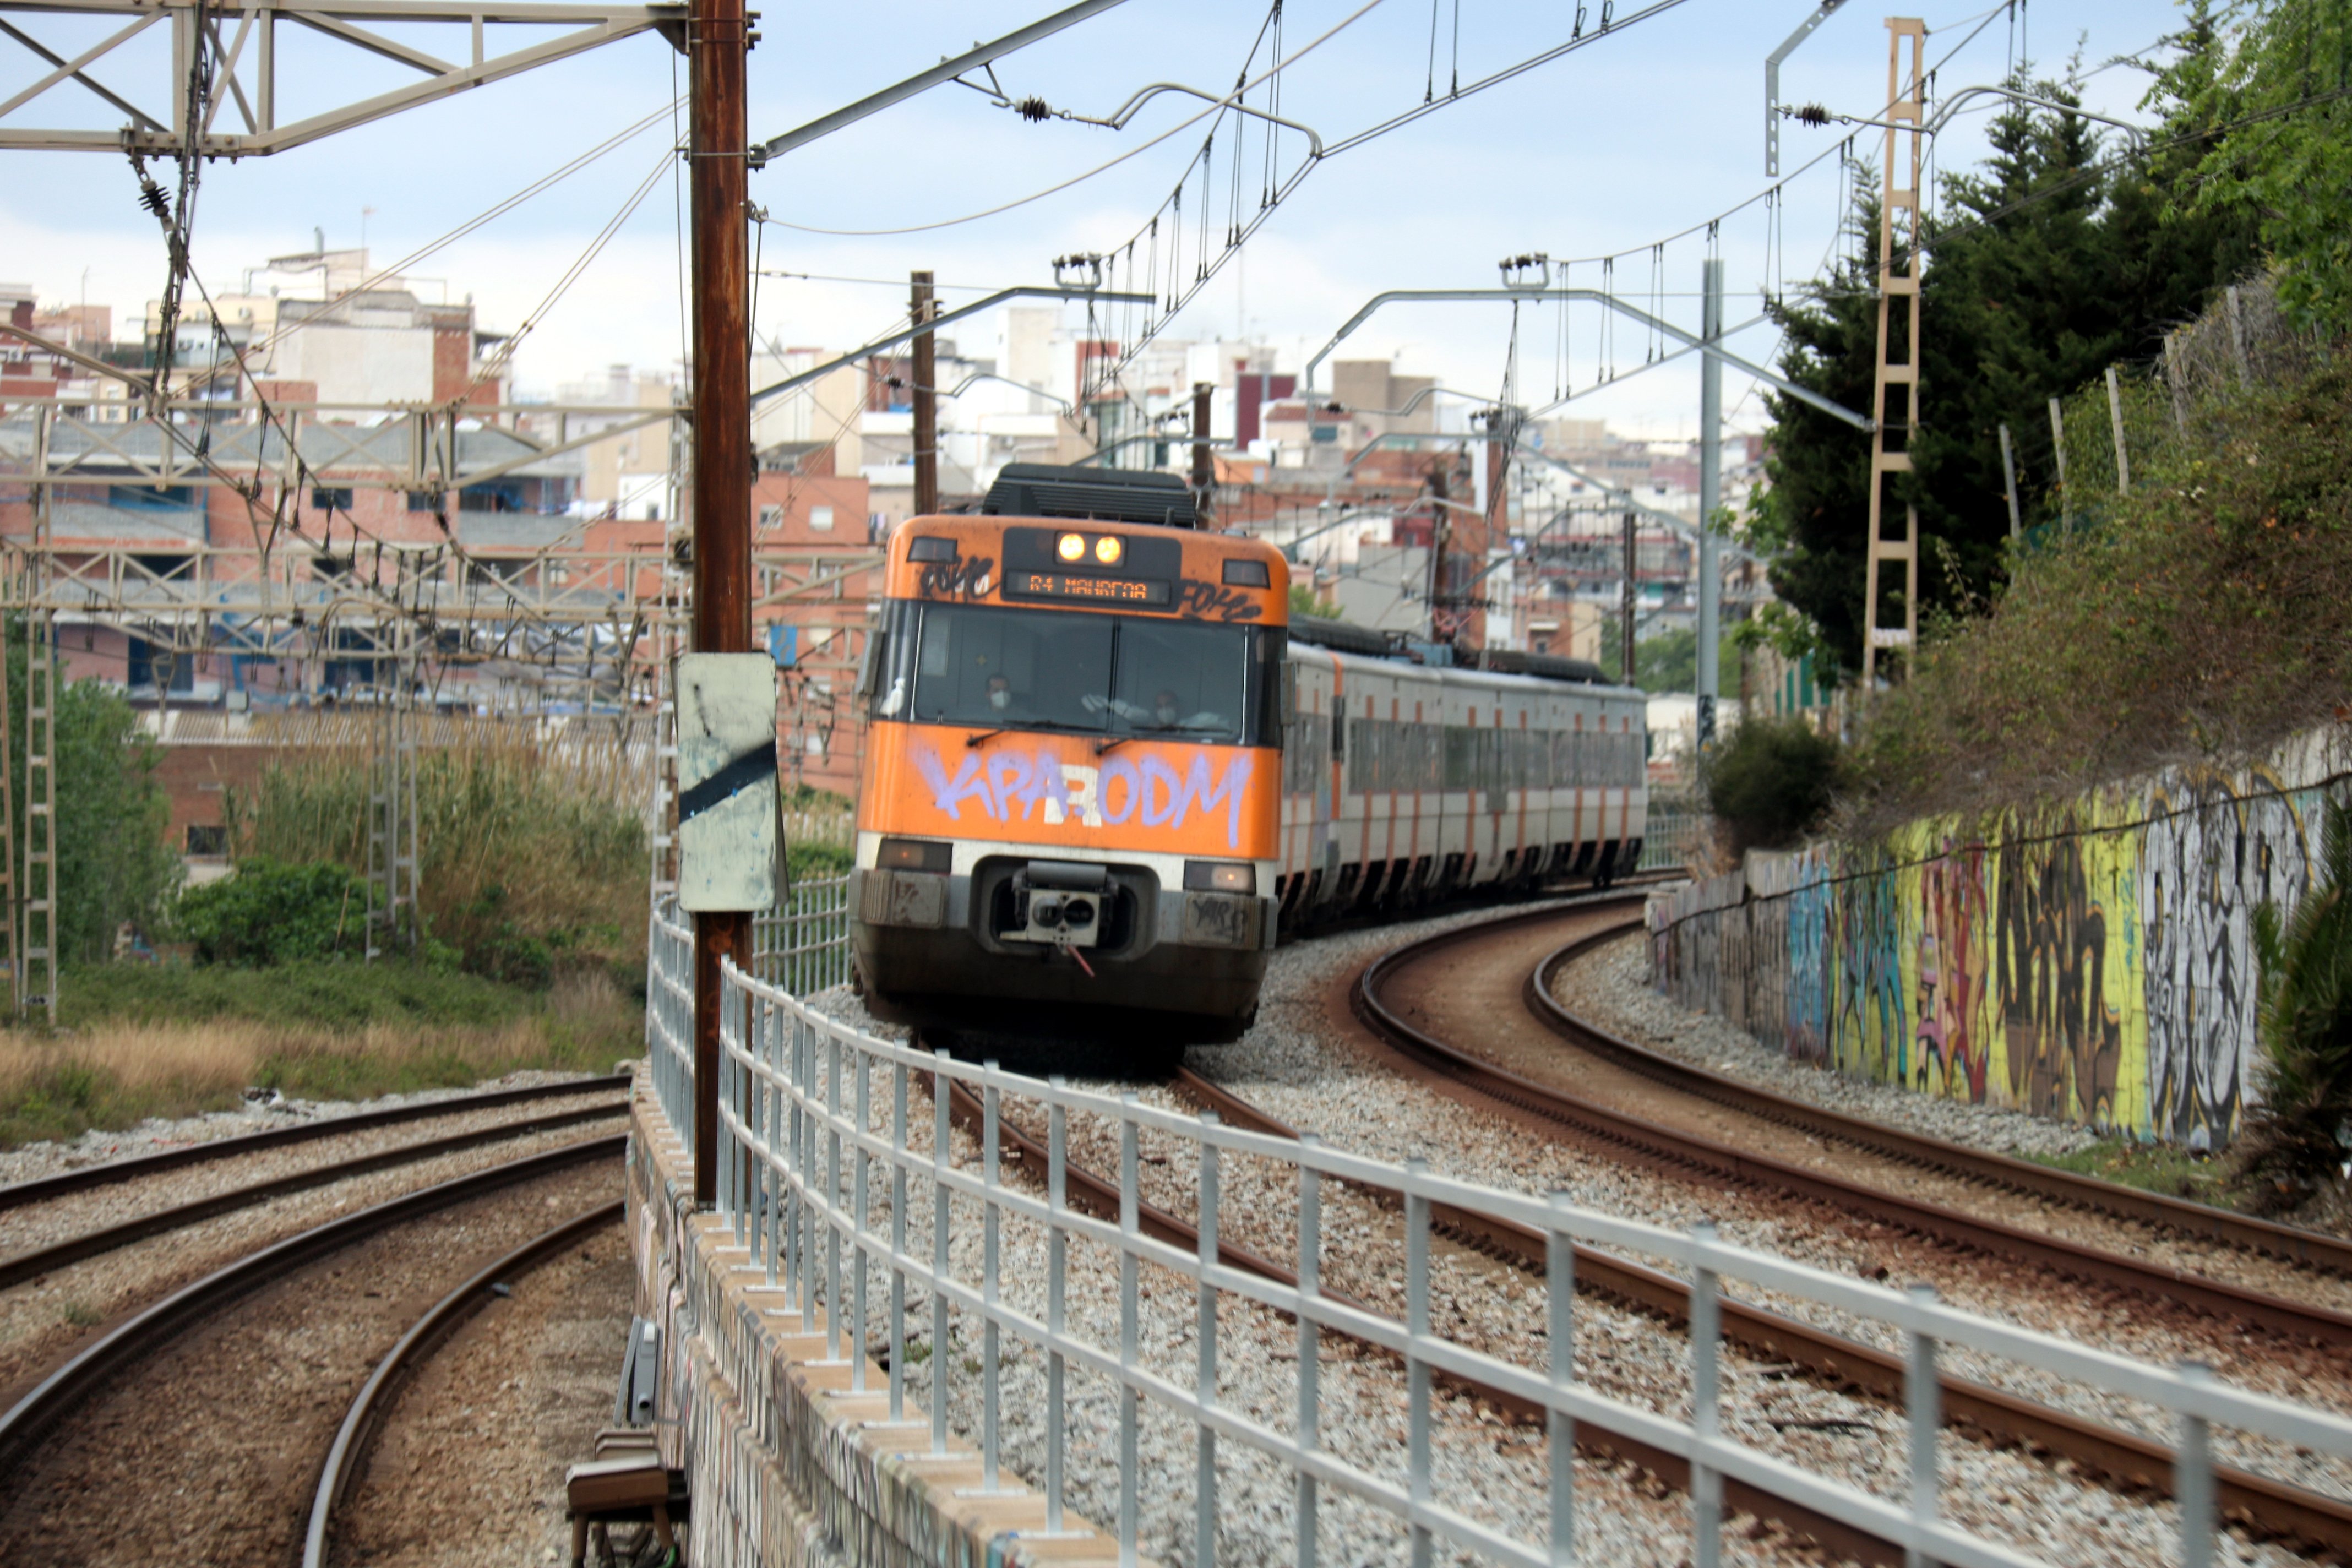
(1338, 730)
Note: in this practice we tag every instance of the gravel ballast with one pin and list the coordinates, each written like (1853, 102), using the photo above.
(1297, 1065)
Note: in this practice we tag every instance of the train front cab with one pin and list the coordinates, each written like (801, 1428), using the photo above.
(1067, 803)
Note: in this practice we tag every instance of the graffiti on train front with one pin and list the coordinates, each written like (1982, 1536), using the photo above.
(1009, 785)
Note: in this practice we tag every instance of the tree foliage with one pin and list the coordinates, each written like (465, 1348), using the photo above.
(2047, 263)
(2272, 106)
(113, 865)
(1668, 662)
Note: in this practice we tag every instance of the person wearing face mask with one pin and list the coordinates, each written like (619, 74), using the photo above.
(1002, 703)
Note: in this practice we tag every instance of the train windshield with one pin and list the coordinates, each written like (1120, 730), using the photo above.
(980, 666)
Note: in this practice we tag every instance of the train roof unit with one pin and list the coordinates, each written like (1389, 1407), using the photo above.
(1091, 495)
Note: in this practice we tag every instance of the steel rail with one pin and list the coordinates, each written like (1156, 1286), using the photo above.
(157, 1324)
(2266, 1508)
(343, 1467)
(41, 1260)
(2203, 1221)
(1094, 1195)
(41, 1189)
(1668, 1148)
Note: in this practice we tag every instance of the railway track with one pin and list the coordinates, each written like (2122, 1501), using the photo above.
(84, 1178)
(91, 1380)
(2201, 1221)
(1548, 1107)
(38, 1261)
(346, 1457)
(1093, 1194)
(2266, 1507)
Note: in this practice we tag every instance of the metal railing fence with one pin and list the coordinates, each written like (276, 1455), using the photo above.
(822, 1179)
(802, 944)
(1669, 833)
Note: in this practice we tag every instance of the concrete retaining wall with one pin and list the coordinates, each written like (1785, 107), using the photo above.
(786, 1466)
(2092, 961)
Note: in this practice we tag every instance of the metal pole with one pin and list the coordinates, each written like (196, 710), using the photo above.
(927, 402)
(1710, 497)
(2058, 440)
(723, 466)
(1205, 472)
(2009, 483)
(1625, 610)
(2116, 421)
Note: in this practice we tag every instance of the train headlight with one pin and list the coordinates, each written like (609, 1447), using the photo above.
(1071, 547)
(913, 855)
(1219, 877)
(1108, 549)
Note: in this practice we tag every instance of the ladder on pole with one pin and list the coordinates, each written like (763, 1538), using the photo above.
(1895, 393)
(661, 820)
(392, 846)
(11, 943)
(40, 985)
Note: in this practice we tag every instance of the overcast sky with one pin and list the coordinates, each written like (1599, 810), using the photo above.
(1639, 134)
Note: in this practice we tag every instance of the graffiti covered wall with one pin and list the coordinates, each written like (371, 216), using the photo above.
(2092, 961)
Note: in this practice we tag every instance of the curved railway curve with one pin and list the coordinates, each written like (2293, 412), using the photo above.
(347, 1456)
(74, 1443)
(1418, 1030)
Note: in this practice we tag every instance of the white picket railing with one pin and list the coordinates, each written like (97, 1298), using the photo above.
(816, 1171)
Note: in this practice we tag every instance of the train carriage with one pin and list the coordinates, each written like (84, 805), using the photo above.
(1405, 783)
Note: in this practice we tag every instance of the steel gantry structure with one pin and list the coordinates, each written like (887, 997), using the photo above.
(230, 50)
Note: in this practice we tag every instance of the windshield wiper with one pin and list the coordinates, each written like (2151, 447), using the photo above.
(1102, 746)
(971, 741)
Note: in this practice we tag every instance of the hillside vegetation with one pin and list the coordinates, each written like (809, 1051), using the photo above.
(2203, 619)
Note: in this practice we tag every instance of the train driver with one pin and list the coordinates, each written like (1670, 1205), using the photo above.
(1003, 702)
(1165, 713)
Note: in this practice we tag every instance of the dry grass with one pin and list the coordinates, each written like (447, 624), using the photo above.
(116, 1072)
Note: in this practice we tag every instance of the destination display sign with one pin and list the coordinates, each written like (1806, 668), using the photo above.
(1021, 584)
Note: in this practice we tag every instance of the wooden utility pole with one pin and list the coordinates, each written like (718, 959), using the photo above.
(716, 47)
(1898, 361)
(927, 400)
(1502, 429)
(1205, 472)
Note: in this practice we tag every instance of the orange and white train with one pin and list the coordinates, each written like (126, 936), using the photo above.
(1101, 777)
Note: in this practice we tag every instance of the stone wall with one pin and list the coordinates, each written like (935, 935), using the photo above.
(787, 1469)
(2092, 961)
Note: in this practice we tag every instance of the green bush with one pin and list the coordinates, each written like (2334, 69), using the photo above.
(812, 862)
(2294, 1141)
(1770, 781)
(528, 860)
(271, 912)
